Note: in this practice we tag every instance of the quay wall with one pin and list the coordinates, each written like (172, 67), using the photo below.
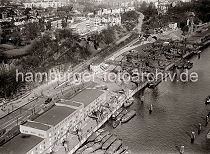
(115, 106)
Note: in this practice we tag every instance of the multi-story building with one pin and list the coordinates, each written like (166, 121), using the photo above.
(98, 22)
(51, 130)
(46, 3)
(162, 6)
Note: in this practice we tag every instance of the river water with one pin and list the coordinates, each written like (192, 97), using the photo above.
(177, 109)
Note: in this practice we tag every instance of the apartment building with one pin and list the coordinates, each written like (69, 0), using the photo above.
(46, 3)
(96, 23)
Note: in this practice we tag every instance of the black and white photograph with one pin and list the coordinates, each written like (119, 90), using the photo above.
(104, 76)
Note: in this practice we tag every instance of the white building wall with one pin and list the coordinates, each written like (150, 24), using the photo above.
(56, 135)
(33, 131)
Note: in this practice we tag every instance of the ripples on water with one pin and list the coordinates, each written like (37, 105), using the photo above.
(178, 108)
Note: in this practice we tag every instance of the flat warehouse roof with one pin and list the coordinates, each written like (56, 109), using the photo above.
(20, 144)
(37, 125)
(87, 96)
(74, 104)
(55, 115)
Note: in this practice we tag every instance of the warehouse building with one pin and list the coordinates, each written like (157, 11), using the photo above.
(51, 129)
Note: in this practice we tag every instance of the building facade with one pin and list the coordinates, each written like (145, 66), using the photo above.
(46, 3)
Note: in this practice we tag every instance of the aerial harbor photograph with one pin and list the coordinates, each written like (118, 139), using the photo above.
(104, 76)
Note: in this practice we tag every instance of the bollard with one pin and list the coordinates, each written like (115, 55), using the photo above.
(207, 120)
(192, 137)
(199, 54)
(199, 128)
(181, 150)
(150, 109)
(142, 99)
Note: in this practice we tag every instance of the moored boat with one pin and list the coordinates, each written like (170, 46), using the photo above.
(207, 100)
(109, 142)
(116, 123)
(121, 150)
(126, 152)
(80, 150)
(115, 145)
(117, 113)
(99, 152)
(93, 148)
(188, 65)
(95, 135)
(180, 64)
(101, 136)
(106, 138)
(208, 135)
(128, 116)
(119, 117)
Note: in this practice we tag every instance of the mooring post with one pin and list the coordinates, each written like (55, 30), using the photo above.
(181, 150)
(192, 137)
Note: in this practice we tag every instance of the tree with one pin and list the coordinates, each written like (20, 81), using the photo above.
(108, 35)
(5, 2)
(48, 25)
(129, 19)
(143, 6)
(64, 23)
(9, 85)
(32, 31)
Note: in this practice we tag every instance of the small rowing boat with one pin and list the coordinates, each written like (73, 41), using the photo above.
(93, 148)
(128, 103)
(121, 150)
(80, 150)
(99, 152)
(116, 123)
(207, 100)
(117, 113)
(106, 138)
(115, 145)
(95, 135)
(109, 142)
(128, 116)
(119, 117)
(126, 152)
(101, 136)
